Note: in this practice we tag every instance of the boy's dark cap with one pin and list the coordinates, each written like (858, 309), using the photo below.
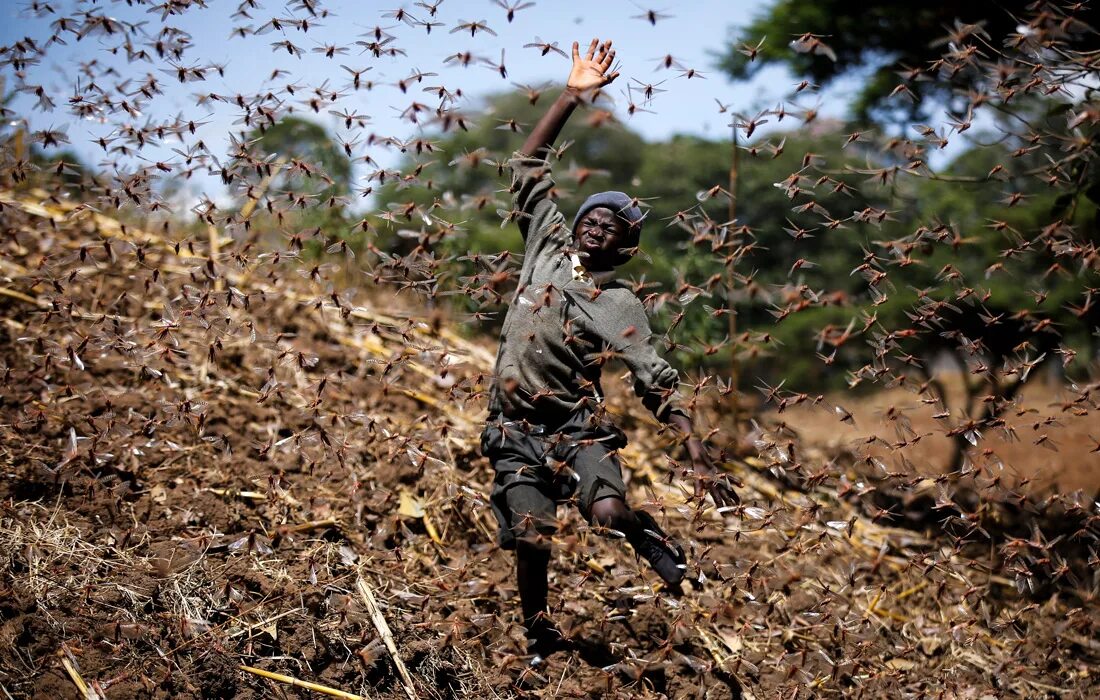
(623, 206)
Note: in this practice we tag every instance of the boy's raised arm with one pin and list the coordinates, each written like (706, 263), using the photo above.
(588, 73)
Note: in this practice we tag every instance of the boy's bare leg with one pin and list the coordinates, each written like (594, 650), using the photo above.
(613, 513)
(666, 558)
(532, 563)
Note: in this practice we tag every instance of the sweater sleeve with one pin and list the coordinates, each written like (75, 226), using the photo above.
(621, 323)
(540, 222)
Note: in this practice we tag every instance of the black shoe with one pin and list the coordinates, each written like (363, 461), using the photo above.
(544, 639)
(664, 556)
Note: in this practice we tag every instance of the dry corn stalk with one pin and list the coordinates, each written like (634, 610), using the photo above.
(383, 628)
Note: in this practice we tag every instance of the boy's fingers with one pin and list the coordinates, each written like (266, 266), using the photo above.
(592, 49)
(576, 51)
(734, 499)
(608, 58)
(612, 77)
(723, 495)
(703, 486)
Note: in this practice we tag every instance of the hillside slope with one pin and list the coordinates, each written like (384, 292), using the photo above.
(210, 460)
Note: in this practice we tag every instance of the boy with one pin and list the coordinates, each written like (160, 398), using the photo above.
(547, 436)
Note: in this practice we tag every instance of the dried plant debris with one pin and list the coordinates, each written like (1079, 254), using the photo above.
(239, 421)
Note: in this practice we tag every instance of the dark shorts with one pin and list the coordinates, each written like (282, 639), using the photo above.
(537, 467)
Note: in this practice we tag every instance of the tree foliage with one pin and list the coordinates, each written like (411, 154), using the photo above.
(298, 161)
(885, 45)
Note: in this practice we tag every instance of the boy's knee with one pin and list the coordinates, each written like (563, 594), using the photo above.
(611, 514)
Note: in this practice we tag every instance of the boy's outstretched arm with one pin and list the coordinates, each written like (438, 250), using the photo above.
(588, 73)
(624, 327)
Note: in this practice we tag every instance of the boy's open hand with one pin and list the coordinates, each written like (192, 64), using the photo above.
(708, 480)
(590, 72)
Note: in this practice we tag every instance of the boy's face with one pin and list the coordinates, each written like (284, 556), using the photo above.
(599, 236)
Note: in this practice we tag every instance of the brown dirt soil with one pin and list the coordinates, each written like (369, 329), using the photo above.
(1043, 441)
(167, 516)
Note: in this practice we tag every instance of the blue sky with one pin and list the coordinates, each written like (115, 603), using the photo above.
(692, 34)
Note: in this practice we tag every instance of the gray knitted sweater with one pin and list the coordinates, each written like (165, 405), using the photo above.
(562, 326)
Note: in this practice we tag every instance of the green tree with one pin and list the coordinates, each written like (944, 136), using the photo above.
(64, 168)
(303, 171)
(883, 43)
